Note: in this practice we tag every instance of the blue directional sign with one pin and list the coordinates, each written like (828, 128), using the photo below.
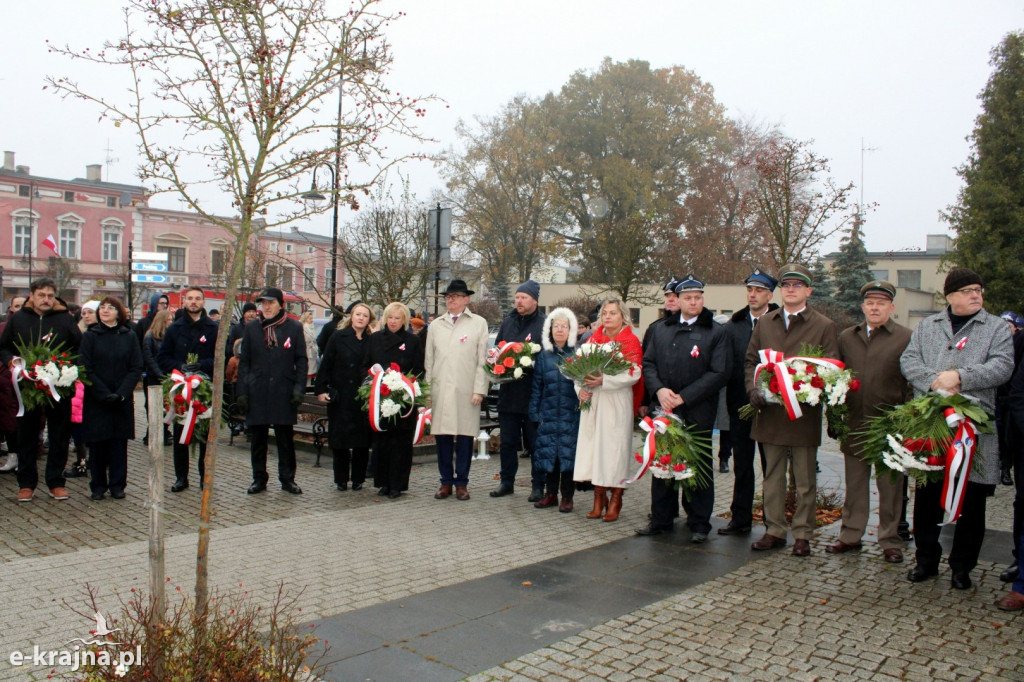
(152, 279)
(150, 267)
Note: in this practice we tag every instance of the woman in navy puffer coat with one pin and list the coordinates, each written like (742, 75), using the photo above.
(555, 405)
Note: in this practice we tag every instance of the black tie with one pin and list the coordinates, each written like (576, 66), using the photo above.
(755, 323)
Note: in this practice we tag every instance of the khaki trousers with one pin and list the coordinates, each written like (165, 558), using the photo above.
(775, 481)
(857, 506)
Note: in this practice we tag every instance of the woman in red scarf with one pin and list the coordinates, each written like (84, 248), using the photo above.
(604, 446)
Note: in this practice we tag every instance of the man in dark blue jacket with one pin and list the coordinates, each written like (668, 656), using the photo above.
(524, 324)
(189, 345)
(686, 363)
(760, 289)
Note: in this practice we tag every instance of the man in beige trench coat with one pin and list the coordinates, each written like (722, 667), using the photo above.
(454, 361)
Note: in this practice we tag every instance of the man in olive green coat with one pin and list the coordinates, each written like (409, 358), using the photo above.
(789, 329)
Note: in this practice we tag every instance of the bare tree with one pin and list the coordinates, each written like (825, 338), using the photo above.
(229, 94)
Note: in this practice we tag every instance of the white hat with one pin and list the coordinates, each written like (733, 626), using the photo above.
(91, 305)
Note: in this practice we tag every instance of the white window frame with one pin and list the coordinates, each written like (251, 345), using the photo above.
(69, 236)
(28, 225)
(308, 279)
(111, 227)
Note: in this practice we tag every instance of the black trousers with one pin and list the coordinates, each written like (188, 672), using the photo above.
(516, 430)
(58, 419)
(181, 456)
(560, 482)
(699, 506)
(108, 462)
(394, 460)
(1018, 500)
(346, 458)
(285, 436)
(743, 471)
(970, 527)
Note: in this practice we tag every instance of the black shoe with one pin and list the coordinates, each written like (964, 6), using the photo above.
(395, 494)
(357, 486)
(920, 573)
(536, 495)
(384, 491)
(502, 490)
(1005, 478)
(651, 529)
(733, 529)
(99, 495)
(77, 470)
(344, 486)
(960, 580)
(145, 440)
(168, 441)
(179, 485)
(117, 494)
(723, 466)
(291, 487)
(256, 487)
(1010, 574)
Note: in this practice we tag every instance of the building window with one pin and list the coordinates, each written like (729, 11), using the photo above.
(287, 248)
(111, 202)
(22, 235)
(111, 245)
(23, 190)
(308, 279)
(175, 257)
(70, 230)
(69, 197)
(288, 278)
(272, 247)
(880, 274)
(911, 279)
(217, 259)
(270, 275)
(309, 249)
(328, 277)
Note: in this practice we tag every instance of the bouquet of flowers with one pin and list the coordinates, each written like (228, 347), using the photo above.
(46, 374)
(594, 358)
(808, 378)
(926, 437)
(675, 451)
(510, 360)
(387, 394)
(188, 400)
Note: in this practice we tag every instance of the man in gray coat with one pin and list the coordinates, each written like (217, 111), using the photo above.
(963, 350)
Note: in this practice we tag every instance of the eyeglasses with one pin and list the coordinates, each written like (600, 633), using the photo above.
(558, 325)
(108, 307)
(792, 285)
(971, 291)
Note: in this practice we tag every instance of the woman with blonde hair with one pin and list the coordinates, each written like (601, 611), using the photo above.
(605, 444)
(312, 356)
(154, 375)
(341, 372)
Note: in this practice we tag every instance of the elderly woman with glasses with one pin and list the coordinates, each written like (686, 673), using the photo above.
(112, 359)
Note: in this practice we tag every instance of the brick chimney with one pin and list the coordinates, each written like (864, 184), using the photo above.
(94, 172)
(9, 161)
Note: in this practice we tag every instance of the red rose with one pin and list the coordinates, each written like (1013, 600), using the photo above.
(773, 385)
(791, 370)
(665, 459)
(811, 369)
(196, 405)
(394, 366)
(499, 369)
(770, 368)
(855, 385)
(679, 467)
(817, 382)
(517, 347)
(179, 399)
(797, 385)
(384, 390)
(509, 362)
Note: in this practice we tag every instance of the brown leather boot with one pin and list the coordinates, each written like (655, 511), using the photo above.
(600, 502)
(443, 492)
(614, 506)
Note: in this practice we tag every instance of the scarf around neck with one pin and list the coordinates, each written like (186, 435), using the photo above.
(269, 328)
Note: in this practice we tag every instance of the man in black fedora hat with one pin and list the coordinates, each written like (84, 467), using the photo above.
(454, 362)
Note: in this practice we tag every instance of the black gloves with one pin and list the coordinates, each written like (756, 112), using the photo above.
(112, 399)
(296, 399)
(757, 399)
(242, 403)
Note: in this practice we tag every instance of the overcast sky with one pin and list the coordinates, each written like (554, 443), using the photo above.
(902, 76)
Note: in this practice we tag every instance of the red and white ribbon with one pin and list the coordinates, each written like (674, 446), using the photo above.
(422, 421)
(959, 455)
(775, 362)
(183, 384)
(653, 427)
(18, 372)
(408, 386)
(695, 352)
(961, 343)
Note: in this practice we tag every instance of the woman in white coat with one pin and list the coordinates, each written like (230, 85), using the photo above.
(454, 363)
(604, 446)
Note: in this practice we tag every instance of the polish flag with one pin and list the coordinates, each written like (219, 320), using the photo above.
(49, 242)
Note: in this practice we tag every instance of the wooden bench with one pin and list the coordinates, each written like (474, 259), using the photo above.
(312, 422)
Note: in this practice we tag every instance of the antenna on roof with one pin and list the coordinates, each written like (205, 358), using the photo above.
(110, 160)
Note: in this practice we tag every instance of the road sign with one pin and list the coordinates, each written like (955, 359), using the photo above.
(150, 267)
(151, 279)
(149, 255)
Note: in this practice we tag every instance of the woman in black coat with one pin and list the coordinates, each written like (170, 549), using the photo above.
(112, 359)
(342, 370)
(393, 447)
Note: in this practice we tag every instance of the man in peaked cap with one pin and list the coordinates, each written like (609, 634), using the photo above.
(872, 349)
(760, 289)
(670, 310)
(788, 330)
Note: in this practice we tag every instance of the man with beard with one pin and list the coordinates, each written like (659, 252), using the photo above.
(523, 325)
(189, 345)
(760, 289)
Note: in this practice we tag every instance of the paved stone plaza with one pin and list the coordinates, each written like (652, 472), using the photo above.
(418, 588)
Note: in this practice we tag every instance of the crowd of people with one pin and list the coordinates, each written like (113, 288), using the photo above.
(688, 365)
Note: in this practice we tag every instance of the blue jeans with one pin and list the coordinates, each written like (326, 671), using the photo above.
(517, 429)
(462, 448)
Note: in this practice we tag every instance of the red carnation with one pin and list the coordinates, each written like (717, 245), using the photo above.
(811, 369)
(791, 370)
(196, 405)
(384, 390)
(179, 399)
(817, 382)
(797, 385)
(394, 366)
(679, 467)
(855, 385)
(773, 385)
(770, 367)
(665, 459)
(509, 362)
(934, 461)
(499, 369)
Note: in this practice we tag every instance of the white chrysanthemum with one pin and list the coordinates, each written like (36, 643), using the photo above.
(684, 474)
(68, 375)
(393, 380)
(535, 348)
(525, 361)
(389, 408)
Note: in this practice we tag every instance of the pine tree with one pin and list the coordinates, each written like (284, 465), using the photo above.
(989, 214)
(850, 271)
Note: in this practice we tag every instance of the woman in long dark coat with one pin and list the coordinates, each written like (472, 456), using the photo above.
(555, 406)
(112, 359)
(342, 370)
(393, 447)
